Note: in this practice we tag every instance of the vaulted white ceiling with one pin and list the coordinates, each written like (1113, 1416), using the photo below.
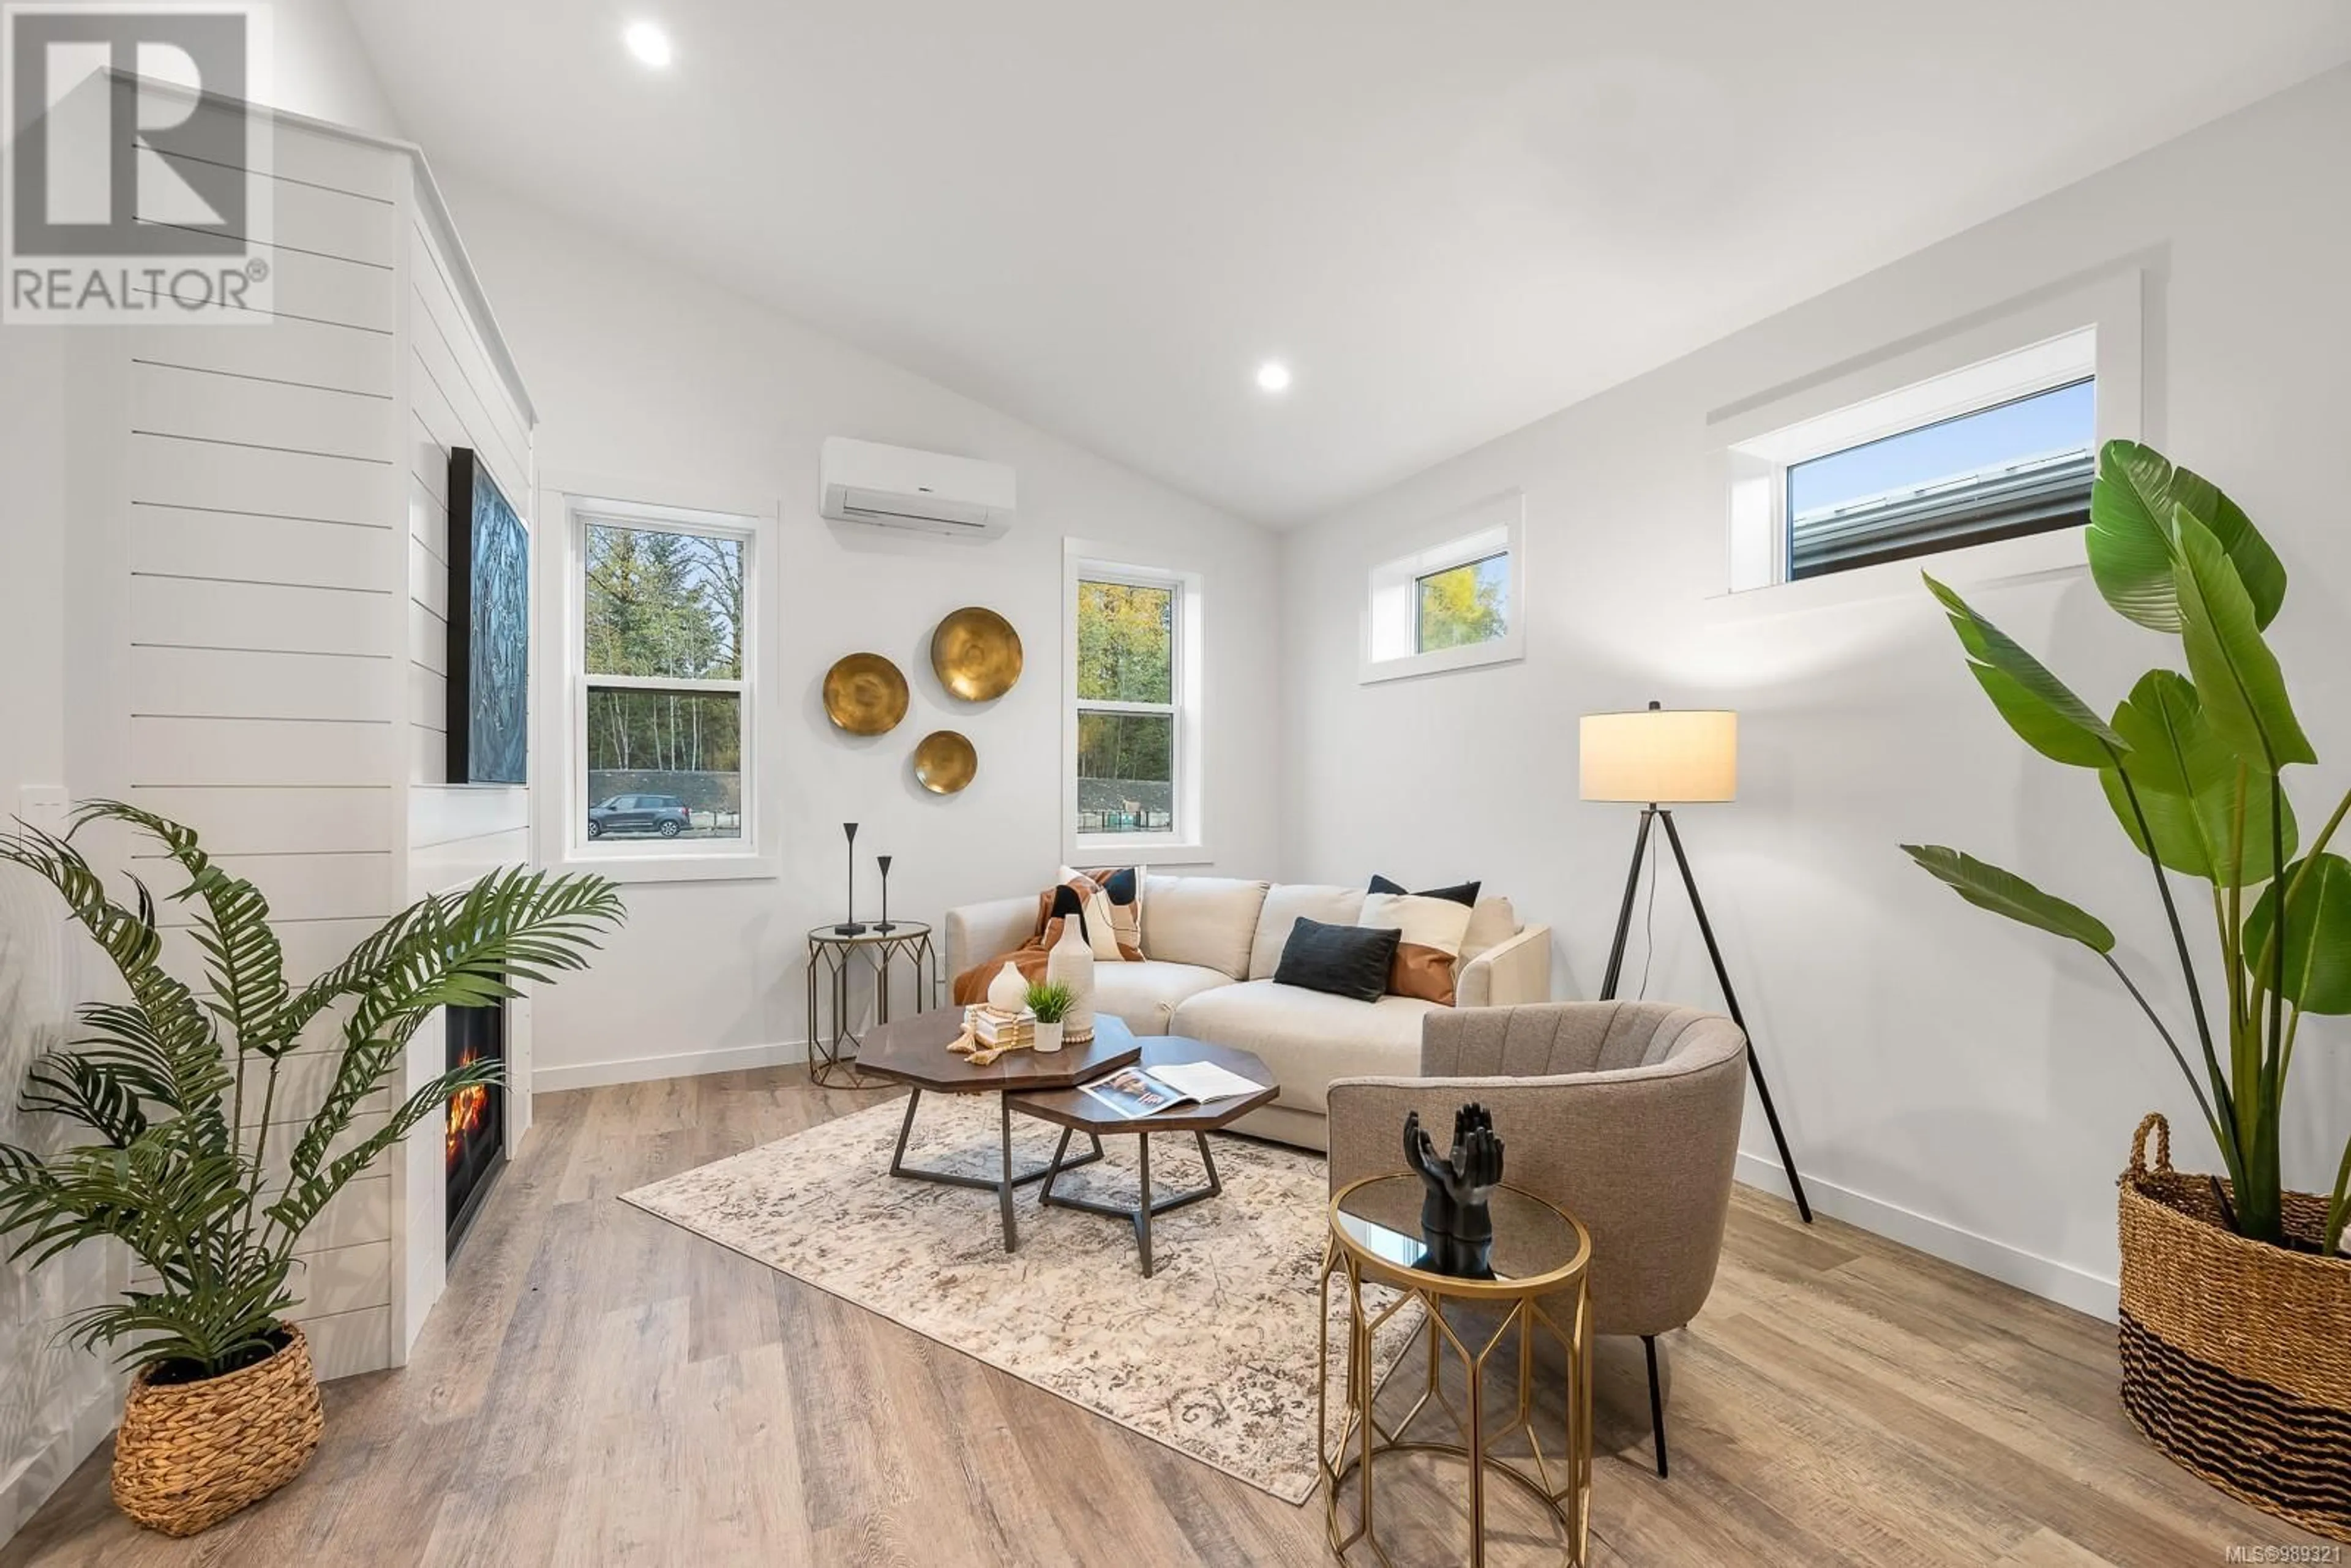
(1448, 218)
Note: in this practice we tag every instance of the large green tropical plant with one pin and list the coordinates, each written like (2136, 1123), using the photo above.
(180, 1088)
(2193, 765)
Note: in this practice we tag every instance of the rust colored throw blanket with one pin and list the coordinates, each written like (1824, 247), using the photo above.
(1054, 905)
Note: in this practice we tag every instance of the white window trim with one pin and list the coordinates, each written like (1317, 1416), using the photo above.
(1187, 844)
(559, 800)
(2019, 350)
(1496, 526)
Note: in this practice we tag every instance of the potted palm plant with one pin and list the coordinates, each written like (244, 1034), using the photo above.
(176, 1090)
(2236, 1297)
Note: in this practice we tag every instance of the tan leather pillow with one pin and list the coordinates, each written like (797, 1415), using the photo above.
(1429, 954)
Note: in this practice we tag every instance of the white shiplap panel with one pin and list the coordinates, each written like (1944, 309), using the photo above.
(464, 337)
(300, 352)
(344, 1278)
(428, 697)
(299, 154)
(273, 820)
(211, 476)
(447, 814)
(170, 400)
(263, 617)
(428, 756)
(211, 682)
(435, 868)
(435, 429)
(428, 579)
(304, 887)
(428, 639)
(348, 1344)
(501, 442)
(329, 289)
(312, 948)
(172, 541)
(304, 1077)
(428, 519)
(313, 218)
(361, 1212)
(258, 751)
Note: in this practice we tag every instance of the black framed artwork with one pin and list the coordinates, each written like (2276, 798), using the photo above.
(489, 629)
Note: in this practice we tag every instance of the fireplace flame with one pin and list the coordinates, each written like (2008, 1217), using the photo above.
(467, 1109)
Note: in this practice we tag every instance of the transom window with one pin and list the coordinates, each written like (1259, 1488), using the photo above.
(663, 705)
(1998, 449)
(1453, 604)
(1129, 704)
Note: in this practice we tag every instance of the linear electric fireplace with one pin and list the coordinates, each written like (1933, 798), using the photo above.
(477, 1119)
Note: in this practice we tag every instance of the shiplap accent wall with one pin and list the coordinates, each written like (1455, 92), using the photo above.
(265, 572)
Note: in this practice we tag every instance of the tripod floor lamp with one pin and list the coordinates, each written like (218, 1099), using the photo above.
(1655, 759)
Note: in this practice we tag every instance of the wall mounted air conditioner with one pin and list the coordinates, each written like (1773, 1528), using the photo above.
(898, 488)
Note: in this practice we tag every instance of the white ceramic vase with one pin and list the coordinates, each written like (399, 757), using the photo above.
(1008, 993)
(1049, 1037)
(1071, 962)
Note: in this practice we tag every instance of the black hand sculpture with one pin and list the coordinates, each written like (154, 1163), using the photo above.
(1456, 1224)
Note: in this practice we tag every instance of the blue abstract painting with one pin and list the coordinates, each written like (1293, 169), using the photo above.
(489, 630)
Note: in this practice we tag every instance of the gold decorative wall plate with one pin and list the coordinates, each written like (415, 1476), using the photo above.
(945, 762)
(864, 694)
(977, 654)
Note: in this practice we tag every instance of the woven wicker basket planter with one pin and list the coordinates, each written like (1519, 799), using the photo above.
(2236, 1355)
(190, 1454)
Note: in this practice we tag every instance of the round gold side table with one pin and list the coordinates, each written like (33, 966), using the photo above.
(832, 956)
(1540, 1251)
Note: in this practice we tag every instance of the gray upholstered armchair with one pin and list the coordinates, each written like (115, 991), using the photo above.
(1625, 1113)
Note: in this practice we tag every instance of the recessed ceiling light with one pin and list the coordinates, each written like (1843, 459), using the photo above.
(1273, 376)
(648, 43)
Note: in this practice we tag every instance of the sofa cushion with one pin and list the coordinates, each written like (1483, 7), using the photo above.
(1431, 929)
(1284, 903)
(1492, 922)
(1205, 920)
(1308, 1038)
(1144, 996)
(1342, 961)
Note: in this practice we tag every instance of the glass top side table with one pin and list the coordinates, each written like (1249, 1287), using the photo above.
(835, 960)
(1541, 1259)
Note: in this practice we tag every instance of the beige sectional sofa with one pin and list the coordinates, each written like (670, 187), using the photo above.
(1214, 944)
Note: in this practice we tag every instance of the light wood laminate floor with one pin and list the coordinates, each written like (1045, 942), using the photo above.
(600, 1387)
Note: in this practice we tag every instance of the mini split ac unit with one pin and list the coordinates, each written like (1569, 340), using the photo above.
(896, 487)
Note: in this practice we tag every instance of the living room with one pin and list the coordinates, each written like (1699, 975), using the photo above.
(1376, 552)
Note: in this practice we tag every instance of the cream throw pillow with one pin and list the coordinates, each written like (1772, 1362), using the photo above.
(1429, 951)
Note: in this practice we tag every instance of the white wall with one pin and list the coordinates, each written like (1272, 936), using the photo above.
(687, 393)
(1945, 1077)
(54, 1406)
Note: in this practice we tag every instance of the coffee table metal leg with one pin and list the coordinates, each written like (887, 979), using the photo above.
(1142, 1210)
(1004, 1179)
(898, 1154)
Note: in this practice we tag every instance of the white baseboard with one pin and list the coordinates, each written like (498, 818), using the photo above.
(546, 1080)
(2044, 1277)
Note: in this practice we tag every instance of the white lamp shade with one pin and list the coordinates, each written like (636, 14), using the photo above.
(1660, 755)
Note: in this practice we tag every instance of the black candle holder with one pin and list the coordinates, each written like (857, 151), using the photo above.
(1457, 1227)
(850, 926)
(884, 924)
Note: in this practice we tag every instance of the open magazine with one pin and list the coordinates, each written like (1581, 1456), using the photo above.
(1134, 1091)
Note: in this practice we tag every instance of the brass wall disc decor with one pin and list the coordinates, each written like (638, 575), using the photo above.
(945, 762)
(864, 694)
(977, 654)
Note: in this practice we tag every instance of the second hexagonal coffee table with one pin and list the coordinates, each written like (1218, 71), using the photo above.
(914, 1052)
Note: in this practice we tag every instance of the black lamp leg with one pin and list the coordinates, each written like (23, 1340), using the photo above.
(1625, 912)
(1730, 999)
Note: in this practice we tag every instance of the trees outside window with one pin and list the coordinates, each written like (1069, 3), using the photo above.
(1128, 700)
(663, 644)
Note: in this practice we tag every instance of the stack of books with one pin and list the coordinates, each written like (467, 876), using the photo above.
(994, 1031)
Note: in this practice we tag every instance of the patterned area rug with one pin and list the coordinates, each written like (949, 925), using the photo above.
(1214, 1356)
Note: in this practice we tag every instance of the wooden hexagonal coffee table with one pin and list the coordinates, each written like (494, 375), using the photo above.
(915, 1051)
(1074, 1110)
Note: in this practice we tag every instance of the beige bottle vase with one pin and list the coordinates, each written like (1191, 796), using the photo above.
(1071, 962)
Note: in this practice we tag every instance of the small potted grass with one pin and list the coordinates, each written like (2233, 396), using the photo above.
(1050, 1000)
